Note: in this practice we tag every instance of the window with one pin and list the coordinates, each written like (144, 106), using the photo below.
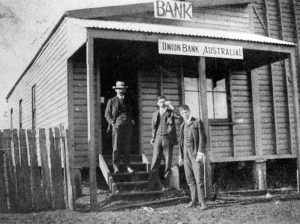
(191, 93)
(33, 102)
(217, 98)
(20, 114)
(217, 89)
(11, 118)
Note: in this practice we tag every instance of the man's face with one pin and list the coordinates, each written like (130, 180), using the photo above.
(185, 114)
(161, 103)
(120, 91)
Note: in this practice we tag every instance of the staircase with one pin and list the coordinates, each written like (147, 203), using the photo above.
(124, 183)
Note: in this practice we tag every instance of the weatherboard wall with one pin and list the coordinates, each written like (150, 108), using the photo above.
(276, 19)
(49, 74)
(79, 123)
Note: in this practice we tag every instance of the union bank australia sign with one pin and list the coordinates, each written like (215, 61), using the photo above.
(173, 10)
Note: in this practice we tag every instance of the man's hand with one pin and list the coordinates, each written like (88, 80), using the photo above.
(152, 141)
(200, 157)
(180, 161)
(168, 104)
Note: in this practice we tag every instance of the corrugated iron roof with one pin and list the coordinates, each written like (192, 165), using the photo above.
(176, 30)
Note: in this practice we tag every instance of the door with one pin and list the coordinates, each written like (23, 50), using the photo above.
(109, 76)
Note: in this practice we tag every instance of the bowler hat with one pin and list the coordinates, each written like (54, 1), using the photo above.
(120, 85)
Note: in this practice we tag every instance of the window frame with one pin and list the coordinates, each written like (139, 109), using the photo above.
(33, 106)
(11, 118)
(228, 102)
(20, 113)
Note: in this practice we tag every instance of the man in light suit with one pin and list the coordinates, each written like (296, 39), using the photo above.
(163, 137)
(119, 116)
(192, 144)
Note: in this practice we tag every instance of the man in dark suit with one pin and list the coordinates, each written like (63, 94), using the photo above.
(163, 137)
(192, 144)
(119, 116)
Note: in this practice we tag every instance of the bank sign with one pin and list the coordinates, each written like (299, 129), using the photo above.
(173, 10)
(200, 49)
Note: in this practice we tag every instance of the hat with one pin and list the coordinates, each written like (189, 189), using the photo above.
(120, 85)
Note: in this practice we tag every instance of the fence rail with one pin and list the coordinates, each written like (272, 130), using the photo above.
(27, 185)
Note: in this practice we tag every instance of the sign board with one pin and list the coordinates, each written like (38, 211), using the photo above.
(173, 10)
(199, 49)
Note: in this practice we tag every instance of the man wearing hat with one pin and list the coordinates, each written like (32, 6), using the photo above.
(119, 116)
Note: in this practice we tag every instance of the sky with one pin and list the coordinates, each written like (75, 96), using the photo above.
(24, 25)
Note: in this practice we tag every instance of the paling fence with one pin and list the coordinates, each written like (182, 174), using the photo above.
(35, 170)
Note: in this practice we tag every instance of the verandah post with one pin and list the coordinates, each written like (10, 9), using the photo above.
(91, 119)
(204, 113)
(259, 166)
(292, 58)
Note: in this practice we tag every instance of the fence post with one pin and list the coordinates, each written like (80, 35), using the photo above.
(35, 172)
(46, 183)
(25, 172)
(20, 193)
(11, 178)
(63, 157)
(68, 169)
(56, 169)
(3, 198)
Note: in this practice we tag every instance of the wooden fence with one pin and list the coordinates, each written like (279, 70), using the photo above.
(35, 170)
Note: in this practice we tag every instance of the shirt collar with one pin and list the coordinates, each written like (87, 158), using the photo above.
(162, 110)
(120, 97)
(189, 120)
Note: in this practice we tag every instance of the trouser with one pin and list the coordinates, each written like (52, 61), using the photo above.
(121, 141)
(162, 148)
(194, 175)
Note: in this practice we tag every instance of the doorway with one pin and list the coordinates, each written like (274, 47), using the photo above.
(117, 65)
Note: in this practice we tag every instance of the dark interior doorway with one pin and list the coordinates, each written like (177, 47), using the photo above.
(117, 64)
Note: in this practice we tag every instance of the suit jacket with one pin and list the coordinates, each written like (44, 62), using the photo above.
(198, 134)
(112, 109)
(170, 122)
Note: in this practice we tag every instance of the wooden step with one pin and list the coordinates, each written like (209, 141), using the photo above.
(127, 177)
(136, 166)
(137, 194)
(132, 186)
(132, 158)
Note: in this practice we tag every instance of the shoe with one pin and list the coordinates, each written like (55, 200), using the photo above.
(130, 170)
(164, 188)
(203, 206)
(192, 204)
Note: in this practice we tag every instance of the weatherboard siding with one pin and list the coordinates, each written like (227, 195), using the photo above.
(243, 133)
(153, 83)
(80, 125)
(49, 73)
(277, 20)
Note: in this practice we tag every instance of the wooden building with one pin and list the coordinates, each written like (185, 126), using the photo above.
(244, 86)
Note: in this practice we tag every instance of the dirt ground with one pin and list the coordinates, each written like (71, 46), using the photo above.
(239, 208)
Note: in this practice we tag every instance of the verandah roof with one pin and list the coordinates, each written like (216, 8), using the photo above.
(176, 30)
(77, 35)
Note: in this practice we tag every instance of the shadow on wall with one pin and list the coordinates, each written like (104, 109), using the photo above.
(233, 176)
(239, 175)
(282, 173)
